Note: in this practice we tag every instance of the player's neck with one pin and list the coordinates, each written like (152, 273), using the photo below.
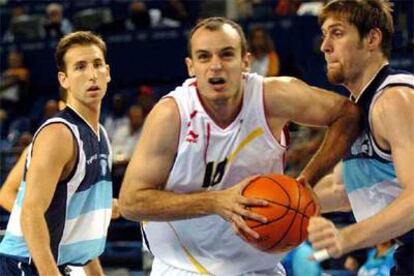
(88, 113)
(224, 112)
(358, 84)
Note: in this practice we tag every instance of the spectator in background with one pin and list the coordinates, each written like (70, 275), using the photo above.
(16, 13)
(50, 109)
(352, 264)
(380, 260)
(56, 25)
(123, 144)
(265, 60)
(126, 136)
(138, 16)
(176, 10)
(146, 98)
(307, 141)
(287, 7)
(14, 84)
(4, 123)
(116, 116)
(311, 7)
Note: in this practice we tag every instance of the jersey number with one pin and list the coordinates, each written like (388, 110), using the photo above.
(214, 173)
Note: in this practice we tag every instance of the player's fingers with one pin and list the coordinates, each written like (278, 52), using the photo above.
(238, 231)
(321, 235)
(253, 201)
(246, 213)
(321, 244)
(316, 224)
(301, 180)
(240, 223)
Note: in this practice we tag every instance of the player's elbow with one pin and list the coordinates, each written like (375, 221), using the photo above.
(129, 203)
(29, 214)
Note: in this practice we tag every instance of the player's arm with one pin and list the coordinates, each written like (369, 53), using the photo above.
(393, 120)
(296, 101)
(52, 153)
(331, 192)
(94, 268)
(142, 195)
(10, 187)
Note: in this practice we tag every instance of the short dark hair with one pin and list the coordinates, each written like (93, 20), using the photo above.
(214, 24)
(365, 15)
(76, 38)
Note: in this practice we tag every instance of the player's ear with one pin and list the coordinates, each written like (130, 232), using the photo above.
(190, 67)
(108, 73)
(63, 80)
(374, 38)
(246, 62)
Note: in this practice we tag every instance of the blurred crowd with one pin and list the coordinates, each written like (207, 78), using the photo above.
(125, 115)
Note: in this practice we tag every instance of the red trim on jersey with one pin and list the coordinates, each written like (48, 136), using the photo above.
(192, 115)
(286, 133)
(207, 142)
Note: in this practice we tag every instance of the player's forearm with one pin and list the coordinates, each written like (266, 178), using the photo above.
(159, 205)
(394, 221)
(36, 234)
(338, 138)
(93, 268)
(7, 199)
(332, 198)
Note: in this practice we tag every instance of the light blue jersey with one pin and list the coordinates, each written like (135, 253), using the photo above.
(80, 211)
(368, 171)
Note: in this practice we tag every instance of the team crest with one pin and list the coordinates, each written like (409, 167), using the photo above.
(362, 146)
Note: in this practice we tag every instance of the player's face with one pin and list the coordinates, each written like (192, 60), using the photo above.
(345, 52)
(217, 63)
(87, 75)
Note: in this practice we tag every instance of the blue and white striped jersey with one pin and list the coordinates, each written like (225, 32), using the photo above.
(80, 211)
(368, 170)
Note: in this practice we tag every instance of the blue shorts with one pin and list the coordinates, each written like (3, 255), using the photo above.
(404, 260)
(13, 267)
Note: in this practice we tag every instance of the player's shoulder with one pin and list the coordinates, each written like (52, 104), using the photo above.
(395, 98)
(284, 85)
(56, 133)
(282, 81)
(165, 112)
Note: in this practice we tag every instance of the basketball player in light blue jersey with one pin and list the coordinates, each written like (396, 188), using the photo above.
(378, 170)
(63, 207)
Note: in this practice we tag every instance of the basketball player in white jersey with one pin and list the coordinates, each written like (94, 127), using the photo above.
(203, 142)
(377, 171)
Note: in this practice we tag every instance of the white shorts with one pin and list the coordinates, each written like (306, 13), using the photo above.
(159, 268)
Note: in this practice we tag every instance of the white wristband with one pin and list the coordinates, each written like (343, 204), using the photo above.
(321, 255)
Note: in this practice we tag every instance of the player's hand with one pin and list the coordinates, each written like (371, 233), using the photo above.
(315, 198)
(233, 207)
(115, 209)
(323, 234)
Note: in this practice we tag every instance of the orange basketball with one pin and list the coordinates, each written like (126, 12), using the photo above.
(290, 206)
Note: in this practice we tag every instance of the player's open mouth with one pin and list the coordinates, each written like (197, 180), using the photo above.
(216, 80)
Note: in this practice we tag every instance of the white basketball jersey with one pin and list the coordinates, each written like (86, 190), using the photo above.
(212, 158)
